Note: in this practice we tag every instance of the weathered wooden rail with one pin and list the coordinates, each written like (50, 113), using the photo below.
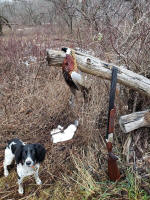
(134, 121)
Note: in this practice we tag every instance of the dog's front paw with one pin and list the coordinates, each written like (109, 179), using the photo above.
(6, 173)
(20, 190)
(38, 181)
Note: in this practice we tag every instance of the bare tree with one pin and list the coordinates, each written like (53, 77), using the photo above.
(3, 21)
(26, 12)
(65, 10)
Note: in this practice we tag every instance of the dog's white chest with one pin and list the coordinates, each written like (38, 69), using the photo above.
(24, 170)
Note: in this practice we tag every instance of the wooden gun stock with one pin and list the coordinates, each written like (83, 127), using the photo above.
(113, 171)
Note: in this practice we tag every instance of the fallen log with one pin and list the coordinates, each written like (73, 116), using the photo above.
(134, 121)
(95, 66)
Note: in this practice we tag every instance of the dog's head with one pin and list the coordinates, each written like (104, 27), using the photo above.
(30, 154)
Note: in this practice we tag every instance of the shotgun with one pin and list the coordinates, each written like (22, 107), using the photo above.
(113, 171)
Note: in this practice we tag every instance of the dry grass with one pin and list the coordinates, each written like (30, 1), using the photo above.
(33, 100)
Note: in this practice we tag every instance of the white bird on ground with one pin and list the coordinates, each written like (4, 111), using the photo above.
(60, 134)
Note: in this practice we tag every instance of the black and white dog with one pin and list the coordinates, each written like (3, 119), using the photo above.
(28, 158)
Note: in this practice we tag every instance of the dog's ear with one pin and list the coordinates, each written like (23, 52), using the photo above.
(18, 154)
(40, 152)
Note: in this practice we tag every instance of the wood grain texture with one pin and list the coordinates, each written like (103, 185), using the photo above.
(134, 121)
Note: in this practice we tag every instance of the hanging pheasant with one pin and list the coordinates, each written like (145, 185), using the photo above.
(74, 80)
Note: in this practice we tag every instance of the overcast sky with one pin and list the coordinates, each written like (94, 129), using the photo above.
(6, 0)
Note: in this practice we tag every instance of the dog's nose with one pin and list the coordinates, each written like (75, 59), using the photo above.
(28, 163)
